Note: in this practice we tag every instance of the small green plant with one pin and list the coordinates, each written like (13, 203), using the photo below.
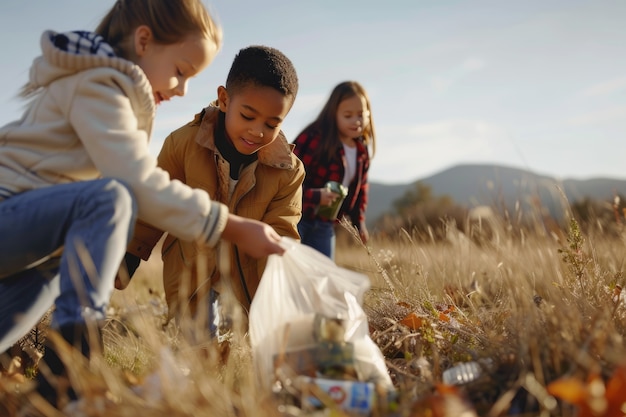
(573, 255)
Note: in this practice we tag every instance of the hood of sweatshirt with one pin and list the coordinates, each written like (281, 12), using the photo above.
(68, 53)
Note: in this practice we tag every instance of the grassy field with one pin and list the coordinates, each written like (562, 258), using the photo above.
(541, 316)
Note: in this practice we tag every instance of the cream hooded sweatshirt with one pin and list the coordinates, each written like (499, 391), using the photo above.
(91, 117)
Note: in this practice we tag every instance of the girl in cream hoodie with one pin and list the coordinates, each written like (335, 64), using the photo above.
(76, 172)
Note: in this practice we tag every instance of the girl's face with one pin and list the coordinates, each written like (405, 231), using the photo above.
(169, 67)
(352, 118)
(254, 115)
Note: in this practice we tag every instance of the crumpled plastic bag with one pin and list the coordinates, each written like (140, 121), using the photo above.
(297, 287)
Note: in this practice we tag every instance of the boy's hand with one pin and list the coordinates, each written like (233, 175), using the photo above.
(255, 238)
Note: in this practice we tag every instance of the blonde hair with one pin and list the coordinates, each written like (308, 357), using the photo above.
(171, 21)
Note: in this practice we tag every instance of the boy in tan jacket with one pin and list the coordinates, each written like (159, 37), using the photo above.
(235, 150)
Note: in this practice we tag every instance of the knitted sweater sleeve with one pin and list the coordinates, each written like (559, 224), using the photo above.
(103, 112)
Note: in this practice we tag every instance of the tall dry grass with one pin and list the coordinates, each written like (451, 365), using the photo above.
(530, 308)
(536, 307)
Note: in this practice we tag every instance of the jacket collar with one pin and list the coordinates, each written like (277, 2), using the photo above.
(277, 154)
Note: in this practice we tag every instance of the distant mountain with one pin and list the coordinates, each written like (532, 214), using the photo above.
(473, 185)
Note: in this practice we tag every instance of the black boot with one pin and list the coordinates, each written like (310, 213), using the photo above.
(52, 378)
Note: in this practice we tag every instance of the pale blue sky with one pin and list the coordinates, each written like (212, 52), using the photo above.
(532, 84)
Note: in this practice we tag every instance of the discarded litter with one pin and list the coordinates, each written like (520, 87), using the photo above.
(352, 396)
(464, 373)
(310, 336)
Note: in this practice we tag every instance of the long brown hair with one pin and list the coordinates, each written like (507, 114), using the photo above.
(171, 21)
(325, 124)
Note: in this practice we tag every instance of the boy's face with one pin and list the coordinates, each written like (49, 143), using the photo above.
(254, 115)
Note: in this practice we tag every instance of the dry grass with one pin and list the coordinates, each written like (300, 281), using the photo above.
(530, 310)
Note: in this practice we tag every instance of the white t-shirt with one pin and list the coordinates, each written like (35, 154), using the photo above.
(351, 164)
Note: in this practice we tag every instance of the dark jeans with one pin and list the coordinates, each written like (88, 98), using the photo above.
(319, 235)
(92, 222)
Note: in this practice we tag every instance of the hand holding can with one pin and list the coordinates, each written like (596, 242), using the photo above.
(330, 212)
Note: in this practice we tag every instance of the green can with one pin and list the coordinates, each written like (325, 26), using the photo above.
(331, 212)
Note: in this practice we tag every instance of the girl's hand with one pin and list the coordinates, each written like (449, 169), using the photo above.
(327, 197)
(364, 235)
(252, 237)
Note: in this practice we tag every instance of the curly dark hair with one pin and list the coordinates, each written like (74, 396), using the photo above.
(263, 66)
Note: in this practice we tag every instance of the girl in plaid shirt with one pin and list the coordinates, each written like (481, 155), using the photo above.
(336, 147)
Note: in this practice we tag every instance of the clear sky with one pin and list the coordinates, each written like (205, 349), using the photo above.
(533, 84)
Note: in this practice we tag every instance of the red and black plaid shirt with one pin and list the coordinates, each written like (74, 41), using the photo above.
(318, 172)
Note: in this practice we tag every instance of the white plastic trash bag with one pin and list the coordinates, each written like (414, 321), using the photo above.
(297, 289)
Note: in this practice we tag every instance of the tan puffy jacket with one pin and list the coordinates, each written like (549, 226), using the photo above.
(269, 190)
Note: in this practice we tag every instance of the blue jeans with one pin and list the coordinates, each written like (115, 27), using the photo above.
(319, 235)
(92, 221)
